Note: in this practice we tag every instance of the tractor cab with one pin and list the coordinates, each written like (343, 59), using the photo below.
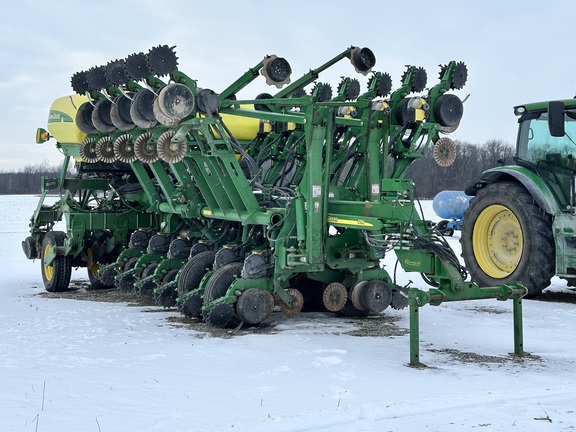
(547, 144)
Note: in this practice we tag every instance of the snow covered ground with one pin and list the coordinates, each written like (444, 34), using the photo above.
(77, 365)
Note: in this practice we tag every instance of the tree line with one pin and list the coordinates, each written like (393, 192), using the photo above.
(428, 176)
(27, 180)
(471, 160)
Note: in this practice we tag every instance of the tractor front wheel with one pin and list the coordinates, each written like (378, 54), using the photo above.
(506, 237)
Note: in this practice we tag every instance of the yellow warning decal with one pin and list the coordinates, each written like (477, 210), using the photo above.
(356, 222)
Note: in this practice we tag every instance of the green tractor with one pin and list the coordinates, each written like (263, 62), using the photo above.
(520, 225)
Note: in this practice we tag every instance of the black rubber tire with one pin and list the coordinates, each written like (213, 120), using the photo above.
(536, 265)
(56, 277)
(217, 286)
(194, 270)
(190, 277)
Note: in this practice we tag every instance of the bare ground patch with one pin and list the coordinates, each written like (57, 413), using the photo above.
(470, 357)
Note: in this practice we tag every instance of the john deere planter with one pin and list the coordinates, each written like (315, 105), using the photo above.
(228, 207)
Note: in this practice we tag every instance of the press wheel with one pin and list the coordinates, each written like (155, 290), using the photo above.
(105, 150)
(88, 150)
(169, 150)
(144, 149)
(124, 149)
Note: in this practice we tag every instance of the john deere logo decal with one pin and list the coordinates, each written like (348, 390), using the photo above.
(59, 117)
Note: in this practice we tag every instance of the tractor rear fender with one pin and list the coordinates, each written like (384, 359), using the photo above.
(528, 178)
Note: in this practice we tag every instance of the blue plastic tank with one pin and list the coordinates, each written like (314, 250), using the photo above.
(451, 204)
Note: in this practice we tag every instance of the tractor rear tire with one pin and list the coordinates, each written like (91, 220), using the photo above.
(507, 237)
(56, 276)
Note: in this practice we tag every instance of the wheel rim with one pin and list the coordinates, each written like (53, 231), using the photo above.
(497, 241)
(48, 269)
(94, 270)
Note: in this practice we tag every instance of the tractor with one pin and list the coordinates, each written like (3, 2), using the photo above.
(521, 222)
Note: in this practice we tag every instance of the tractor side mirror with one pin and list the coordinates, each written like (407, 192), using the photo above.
(556, 118)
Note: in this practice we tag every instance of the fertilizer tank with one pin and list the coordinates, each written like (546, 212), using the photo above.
(61, 120)
(451, 204)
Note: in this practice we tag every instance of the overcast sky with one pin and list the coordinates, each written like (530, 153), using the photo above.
(517, 51)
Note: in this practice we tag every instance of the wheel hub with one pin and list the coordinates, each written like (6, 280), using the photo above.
(500, 253)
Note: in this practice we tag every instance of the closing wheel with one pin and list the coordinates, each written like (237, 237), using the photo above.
(56, 274)
(297, 303)
(146, 289)
(87, 150)
(116, 72)
(167, 297)
(254, 305)
(137, 67)
(222, 315)
(126, 282)
(124, 149)
(506, 237)
(105, 150)
(192, 273)
(162, 59)
(79, 82)
(144, 149)
(170, 150)
(335, 296)
(95, 277)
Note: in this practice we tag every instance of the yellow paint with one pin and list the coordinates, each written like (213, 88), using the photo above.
(62, 119)
(357, 222)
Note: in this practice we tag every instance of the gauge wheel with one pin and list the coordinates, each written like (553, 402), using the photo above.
(56, 275)
(190, 277)
(506, 237)
(222, 315)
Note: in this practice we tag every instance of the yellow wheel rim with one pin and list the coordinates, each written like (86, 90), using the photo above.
(48, 269)
(497, 241)
(94, 270)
